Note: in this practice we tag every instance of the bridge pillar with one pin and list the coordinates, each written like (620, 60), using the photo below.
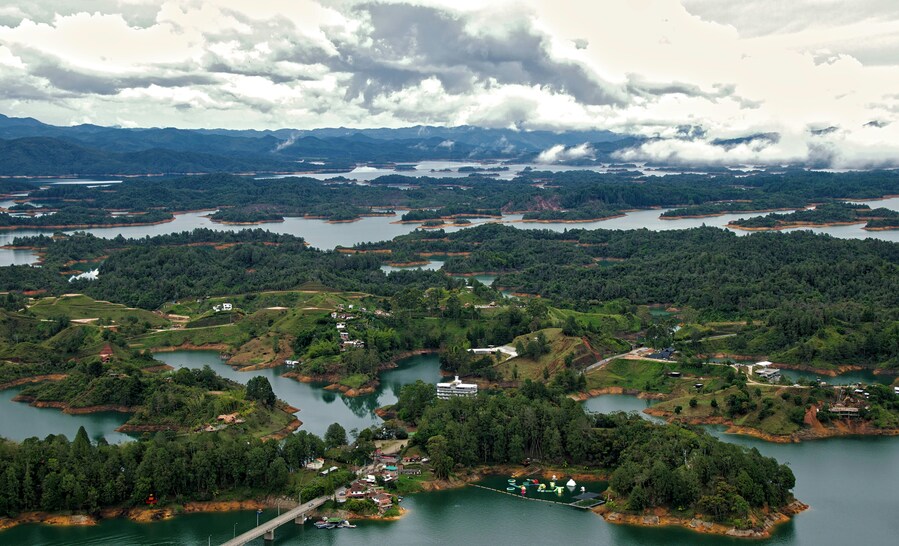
(300, 519)
(269, 535)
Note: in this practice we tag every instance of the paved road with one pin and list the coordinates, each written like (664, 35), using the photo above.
(605, 361)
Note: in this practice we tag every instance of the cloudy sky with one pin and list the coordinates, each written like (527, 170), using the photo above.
(813, 79)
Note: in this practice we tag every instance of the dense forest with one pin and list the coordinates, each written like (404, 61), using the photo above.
(828, 213)
(56, 474)
(653, 465)
(808, 298)
(539, 195)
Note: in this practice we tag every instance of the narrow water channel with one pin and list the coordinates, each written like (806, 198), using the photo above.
(318, 407)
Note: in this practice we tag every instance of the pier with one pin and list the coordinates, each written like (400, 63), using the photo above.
(266, 530)
(572, 504)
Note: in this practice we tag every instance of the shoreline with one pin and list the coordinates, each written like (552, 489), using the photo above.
(139, 514)
(89, 226)
(658, 516)
(841, 429)
(248, 223)
(564, 221)
(661, 517)
(68, 409)
(722, 213)
(794, 225)
(583, 396)
(33, 379)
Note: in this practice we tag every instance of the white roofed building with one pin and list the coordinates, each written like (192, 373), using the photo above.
(456, 387)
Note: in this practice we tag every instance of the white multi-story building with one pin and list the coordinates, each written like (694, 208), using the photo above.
(456, 388)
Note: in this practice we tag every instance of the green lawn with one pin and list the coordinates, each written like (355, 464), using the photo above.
(83, 307)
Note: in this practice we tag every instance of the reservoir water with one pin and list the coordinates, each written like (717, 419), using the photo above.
(321, 234)
(850, 483)
(318, 407)
(19, 421)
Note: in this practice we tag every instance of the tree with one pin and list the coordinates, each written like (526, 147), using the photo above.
(335, 436)
(414, 399)
(570, 327)
(260, 390)
(441, 462)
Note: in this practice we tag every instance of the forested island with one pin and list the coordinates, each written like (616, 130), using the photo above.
(574, 196)
(827, 214)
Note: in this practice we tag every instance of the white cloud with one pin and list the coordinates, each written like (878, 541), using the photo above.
(559, 153)
(651, 68)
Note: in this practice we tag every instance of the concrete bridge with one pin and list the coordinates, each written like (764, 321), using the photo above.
(266, 530)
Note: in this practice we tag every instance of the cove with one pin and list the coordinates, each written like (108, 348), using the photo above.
(20, 421)
(318, 407)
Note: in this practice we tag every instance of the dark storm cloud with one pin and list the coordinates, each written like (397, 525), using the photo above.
(77, 81)
(409, 44)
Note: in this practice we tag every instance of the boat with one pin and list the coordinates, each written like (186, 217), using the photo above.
(571, 483)
(324, 524)
(345, 524)
(511, 488)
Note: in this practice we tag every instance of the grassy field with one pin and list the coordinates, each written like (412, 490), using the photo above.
(250, 303)
(652, 376)
(229, 334)
(607, 322)
(82, 307)
(554, 361)
(777, 421)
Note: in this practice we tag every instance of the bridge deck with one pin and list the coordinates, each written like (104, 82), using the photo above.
(273, 524)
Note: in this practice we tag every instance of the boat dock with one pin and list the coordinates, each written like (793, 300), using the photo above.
(525, 497)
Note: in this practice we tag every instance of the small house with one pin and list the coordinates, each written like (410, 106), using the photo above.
(383, 500)
(106, 353)
(228, 418)
(844, 411)
(357, 490)
(227, 307)
(771, 375)
(315, 464)
(664, 354)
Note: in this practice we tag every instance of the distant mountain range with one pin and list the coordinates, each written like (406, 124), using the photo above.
(29, 147)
